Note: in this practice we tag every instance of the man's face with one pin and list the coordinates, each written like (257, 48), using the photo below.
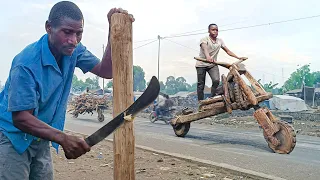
(213, 31)
(65, 36)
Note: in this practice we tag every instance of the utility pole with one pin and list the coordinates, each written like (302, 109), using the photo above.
(102, 78)
(273, 79)
(282, 77)
(159, 38)
(304, 90)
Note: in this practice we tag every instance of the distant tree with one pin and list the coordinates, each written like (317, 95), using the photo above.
(162, 86)
(171, 85)
(193, 87)
(109, 84)
(139, 83)
(268, 86)
(182, 84)
(316, 77)
(297, 78)
(79, 85)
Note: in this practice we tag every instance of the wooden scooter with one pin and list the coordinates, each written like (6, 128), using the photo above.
(236, 94)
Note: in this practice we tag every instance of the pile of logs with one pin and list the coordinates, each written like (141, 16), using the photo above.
(87, 103)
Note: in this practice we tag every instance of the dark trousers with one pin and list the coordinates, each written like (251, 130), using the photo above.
(215, 77)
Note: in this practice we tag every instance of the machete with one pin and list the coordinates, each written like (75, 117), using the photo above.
(148, 96)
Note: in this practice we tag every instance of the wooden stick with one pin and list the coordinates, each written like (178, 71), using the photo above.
(223, 64)
(122, 69)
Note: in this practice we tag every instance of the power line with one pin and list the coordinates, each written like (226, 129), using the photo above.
(190, 31)
(145, 44)
(145, 40)
(181, 45)
(252, 26)
(255, 69)
(206, 29)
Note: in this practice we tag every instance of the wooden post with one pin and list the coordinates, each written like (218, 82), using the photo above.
(122, 67)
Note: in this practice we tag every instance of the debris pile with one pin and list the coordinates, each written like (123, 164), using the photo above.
(185, 101)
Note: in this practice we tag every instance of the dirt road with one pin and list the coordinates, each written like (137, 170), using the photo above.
(98, 165)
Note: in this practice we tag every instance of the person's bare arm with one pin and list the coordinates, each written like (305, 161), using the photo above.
(104, 68)
(204, 47)
(72, 146)
(230, 53)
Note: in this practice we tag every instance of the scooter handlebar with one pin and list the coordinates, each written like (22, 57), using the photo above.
(223, 64)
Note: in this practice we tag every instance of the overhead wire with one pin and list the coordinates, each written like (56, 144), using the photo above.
(145, 40)
(256, 69)
(231, 29)
(181, 44)
(145, 44)
(251, 26)
(206, 29)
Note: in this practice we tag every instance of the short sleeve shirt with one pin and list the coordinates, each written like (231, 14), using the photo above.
(213, 49)
(36, 82)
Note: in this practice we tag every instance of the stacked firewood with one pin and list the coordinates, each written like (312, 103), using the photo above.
(87, 103)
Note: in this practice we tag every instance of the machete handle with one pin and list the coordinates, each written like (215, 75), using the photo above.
(129, 117)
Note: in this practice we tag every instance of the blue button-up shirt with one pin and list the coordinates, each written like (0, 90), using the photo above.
(36, 82)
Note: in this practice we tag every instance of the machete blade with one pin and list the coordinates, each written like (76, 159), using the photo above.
(148, 96)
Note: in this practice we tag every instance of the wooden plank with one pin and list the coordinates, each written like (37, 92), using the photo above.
(226, 93)
(266, 121)
(264, 97)
(251, 97)
(255, 83)
(211, 100)
(216, 108)
(122, 69)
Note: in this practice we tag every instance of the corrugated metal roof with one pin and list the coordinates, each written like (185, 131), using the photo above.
(300, 90)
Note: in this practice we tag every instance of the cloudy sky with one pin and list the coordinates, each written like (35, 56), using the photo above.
(274, 50)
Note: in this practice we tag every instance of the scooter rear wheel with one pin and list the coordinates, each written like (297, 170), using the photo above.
(152, 117)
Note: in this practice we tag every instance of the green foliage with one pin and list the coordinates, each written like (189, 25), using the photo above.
(162, 86)
(303, 74)
(193, 87)
(79, 85)
(139, 83)
(109, 84)
(268, 86)
(174, 85)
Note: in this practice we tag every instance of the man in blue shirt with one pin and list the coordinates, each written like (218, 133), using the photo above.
(34, 100)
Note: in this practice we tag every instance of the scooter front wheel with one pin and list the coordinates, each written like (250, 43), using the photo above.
(181, 129)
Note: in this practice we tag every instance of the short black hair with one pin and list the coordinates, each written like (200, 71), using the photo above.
(212, 25)
(64, 9)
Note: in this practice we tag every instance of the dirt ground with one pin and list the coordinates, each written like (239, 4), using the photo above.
(98, 164)
(311, 128)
